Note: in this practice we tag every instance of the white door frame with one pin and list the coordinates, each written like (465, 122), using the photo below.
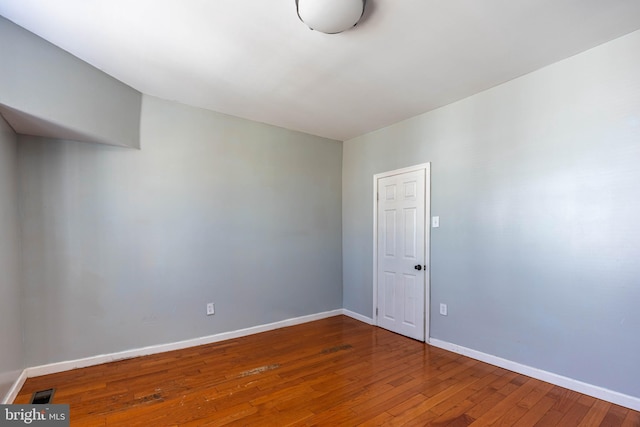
(427, 242)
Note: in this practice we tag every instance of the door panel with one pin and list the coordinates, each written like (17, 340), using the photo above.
(389, 296)
(390, 233)
(400, 248)
(410, 225)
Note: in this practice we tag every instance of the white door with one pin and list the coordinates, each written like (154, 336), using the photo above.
(401, 257)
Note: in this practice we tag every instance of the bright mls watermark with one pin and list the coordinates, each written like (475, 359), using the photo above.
(34, 415)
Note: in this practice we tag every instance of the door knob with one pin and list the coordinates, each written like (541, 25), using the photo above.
(418, 267)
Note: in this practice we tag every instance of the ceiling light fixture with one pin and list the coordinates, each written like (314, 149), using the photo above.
(330, 16)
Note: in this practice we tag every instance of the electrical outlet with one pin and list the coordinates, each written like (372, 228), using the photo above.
(211, 309)
(443, 309)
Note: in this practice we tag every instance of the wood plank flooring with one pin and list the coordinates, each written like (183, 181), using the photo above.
(332, 372)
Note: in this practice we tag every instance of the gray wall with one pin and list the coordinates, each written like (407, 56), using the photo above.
(537, 185)
(126, 247)
(49, 92)
(11, 354)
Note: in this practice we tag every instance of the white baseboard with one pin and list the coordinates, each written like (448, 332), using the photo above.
(569, 383)
(68, 365)
(625, 400)
(145, 351)
(357, 316)
(15, 388)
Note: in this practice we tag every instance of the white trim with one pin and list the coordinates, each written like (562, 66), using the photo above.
(618, 398)
(15, 388)
(427, 240)
(357, 316)
(427, 253)
(53, 368)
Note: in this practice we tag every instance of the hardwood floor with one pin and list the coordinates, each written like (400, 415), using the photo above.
(332, 372)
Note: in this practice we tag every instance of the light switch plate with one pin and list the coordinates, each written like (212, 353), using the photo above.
(435, 221)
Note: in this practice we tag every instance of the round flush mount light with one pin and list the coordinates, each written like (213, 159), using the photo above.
(330, 16)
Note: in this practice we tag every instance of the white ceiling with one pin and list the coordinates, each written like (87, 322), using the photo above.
(255, 59)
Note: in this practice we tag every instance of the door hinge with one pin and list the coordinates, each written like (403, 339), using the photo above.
(377, 196)
(376, 311)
